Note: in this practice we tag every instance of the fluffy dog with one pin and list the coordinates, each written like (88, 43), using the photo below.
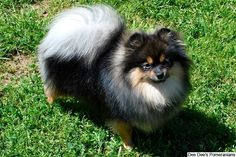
(135, 79)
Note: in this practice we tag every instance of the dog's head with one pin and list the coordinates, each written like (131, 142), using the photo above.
(155, 57)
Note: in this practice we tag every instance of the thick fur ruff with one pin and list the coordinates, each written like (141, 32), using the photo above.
(88, 54)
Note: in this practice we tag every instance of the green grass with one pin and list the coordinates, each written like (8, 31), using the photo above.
(31, 127)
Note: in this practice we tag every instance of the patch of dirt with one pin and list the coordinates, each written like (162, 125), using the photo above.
(43, 6)
(14, 68)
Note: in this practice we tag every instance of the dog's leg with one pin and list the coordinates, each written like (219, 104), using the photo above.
(51, 94)
(125, 132)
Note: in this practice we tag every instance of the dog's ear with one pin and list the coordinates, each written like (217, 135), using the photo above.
(136, 40)
(174, 41)
(166, 34)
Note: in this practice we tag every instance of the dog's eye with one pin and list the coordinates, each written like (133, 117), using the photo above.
(145, 66)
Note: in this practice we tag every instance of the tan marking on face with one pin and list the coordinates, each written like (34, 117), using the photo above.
(162, 58)
(151, 74)
(150, 60)
(136, 76)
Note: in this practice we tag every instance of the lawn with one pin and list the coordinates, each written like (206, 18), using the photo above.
(31, 127)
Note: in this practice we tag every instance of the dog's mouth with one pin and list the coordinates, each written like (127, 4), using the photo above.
(159, 79)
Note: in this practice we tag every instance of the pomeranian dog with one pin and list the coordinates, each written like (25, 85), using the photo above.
(136, 80)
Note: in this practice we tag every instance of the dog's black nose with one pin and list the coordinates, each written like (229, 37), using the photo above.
(160, 75)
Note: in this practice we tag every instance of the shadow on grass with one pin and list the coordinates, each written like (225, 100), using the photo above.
(73, 106)
(190, 131)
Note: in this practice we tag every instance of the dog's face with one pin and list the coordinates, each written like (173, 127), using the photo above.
(155, 57)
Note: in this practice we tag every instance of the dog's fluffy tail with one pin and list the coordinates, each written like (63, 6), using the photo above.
(81, 32)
